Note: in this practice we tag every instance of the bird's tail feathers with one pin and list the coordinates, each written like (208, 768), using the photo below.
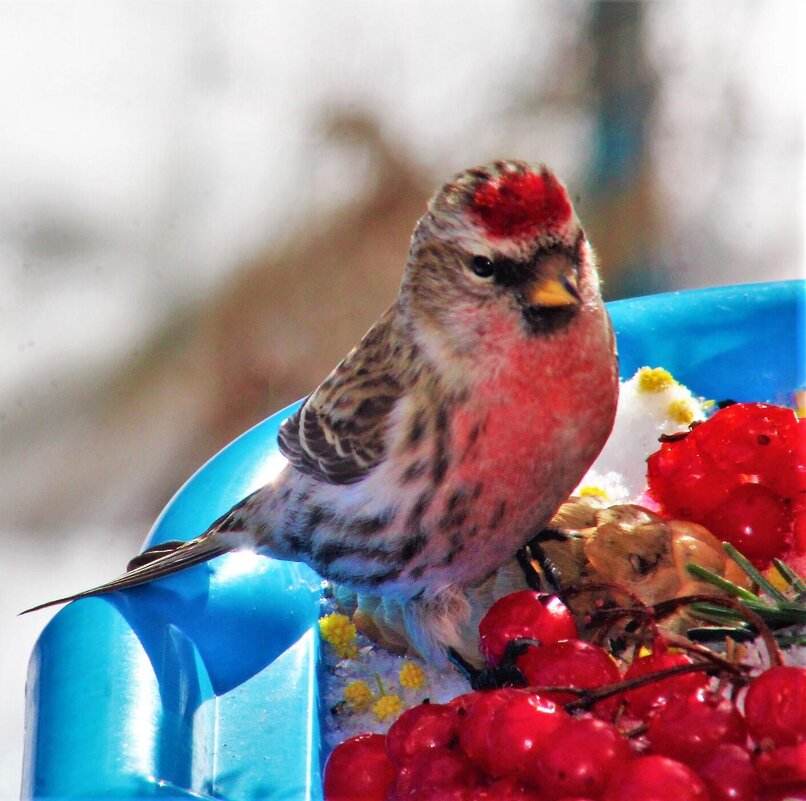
(168, 558)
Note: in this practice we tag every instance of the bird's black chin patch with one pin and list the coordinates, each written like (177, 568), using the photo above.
(549, 319)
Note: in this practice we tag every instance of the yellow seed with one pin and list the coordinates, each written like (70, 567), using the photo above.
(412, 676)
(358, 694)
(593, 491)
(387, 706)
(340, 632)
(681, 411)
(654, 379)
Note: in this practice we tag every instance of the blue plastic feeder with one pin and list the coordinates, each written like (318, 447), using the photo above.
(204, 684)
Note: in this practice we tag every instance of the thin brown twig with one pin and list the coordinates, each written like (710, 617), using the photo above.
(590, 697)
(637, 731)
(774, 654)
(706, 653)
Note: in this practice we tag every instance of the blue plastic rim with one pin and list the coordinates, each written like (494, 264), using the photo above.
(204, 685)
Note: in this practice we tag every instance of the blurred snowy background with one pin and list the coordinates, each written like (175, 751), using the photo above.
(205, 204)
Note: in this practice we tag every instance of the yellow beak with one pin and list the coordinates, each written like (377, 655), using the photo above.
(555, 292)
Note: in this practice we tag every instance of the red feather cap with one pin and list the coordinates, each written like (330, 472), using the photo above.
(518, 205)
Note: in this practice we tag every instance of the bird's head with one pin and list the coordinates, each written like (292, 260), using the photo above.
(499, 257)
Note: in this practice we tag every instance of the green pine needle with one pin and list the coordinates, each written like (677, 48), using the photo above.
(722, 583)
(790, 576)
(776, 608)
(751, 571)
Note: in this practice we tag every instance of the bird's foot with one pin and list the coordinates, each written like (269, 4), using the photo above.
(539, 570)
(505, 674)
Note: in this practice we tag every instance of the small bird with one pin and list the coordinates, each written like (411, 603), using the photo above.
(455, 428)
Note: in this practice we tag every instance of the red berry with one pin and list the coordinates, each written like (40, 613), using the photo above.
(775, 706)
(782, 794)
(642, 700)
(655, 778)
(520, 728)
(683, 483)
(432, 793)
(476, 722)
(506, 789)
(445, 769)
(461, 703)
(799, 530)
(728, 774)
(689, 727)
(741, 474)
(753, 519)
(580, 758)
(399, 790)
(359, 770)
(783, 766)
(752, 439)
(570, 663)
(420, 728)
(796, 481)
(526, 613)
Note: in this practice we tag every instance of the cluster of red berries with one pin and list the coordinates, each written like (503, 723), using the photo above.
(742, 475)
(674, 740)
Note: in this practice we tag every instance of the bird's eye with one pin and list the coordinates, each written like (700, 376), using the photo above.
(482, 267)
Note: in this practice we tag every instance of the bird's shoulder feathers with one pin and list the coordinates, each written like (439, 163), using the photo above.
(338, 434)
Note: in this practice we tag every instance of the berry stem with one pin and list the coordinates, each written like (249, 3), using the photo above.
(774, 655)
(637, 731)
(685, 644)
(590, 697)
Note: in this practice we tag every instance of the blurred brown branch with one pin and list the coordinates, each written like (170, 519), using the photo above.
(266, 338)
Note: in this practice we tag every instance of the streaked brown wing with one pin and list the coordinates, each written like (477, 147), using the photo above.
(338, 434)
